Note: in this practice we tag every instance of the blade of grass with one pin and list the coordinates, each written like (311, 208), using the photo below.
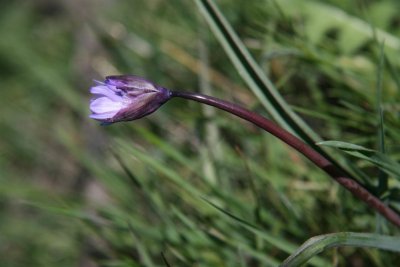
(208, 128)
(383, 177)
(320, 243)
(142, 250)
(378, 159)
(165, 260)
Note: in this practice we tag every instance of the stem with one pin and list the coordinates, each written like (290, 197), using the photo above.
(338, 175)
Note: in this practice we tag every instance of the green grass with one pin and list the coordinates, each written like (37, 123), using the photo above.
(199, 186)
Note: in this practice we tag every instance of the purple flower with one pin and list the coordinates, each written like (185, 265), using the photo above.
(125, 98)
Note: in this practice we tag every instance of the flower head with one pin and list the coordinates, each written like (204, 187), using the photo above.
(125, 98)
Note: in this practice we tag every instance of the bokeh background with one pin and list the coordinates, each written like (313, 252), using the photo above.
(74, 193)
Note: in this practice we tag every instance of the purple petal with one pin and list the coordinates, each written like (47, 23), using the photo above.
(103, 116)
(108, 92)
(105, 105)
(100, 89)
(132, 82)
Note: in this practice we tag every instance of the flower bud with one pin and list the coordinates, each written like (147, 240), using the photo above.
(125, 98)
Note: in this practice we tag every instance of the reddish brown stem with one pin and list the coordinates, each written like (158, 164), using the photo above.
(353, 186)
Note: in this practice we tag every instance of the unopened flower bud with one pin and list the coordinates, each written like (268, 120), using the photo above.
(125, 98)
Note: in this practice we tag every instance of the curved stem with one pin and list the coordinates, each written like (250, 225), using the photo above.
(338, 175)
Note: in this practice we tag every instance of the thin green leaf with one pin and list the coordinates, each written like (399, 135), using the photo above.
(381, 134)
(142, 250)
(320, 243)
(344, 146)
(383, 177)
(378, 159)
(165, 260)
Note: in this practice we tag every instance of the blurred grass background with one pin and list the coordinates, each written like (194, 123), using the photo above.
(198, 185)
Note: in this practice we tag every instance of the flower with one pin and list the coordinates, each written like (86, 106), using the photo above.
(125, 98)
